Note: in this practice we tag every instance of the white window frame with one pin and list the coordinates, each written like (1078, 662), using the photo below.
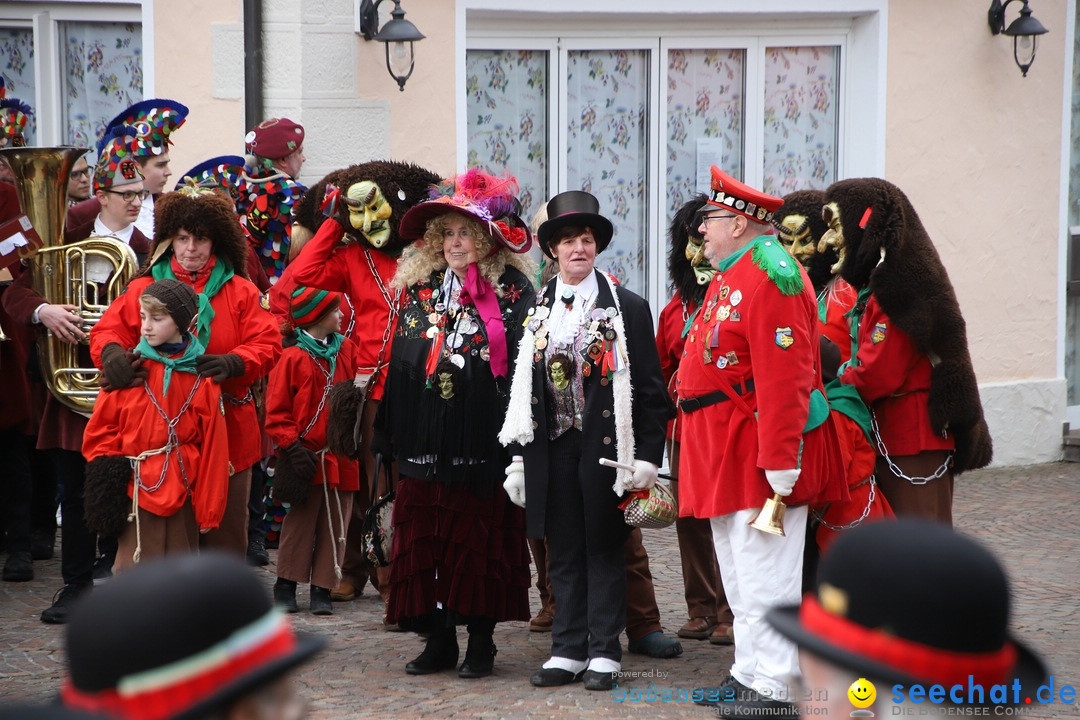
(45, 19)
(858, 27)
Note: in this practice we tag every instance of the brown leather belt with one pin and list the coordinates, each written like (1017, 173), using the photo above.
(689, 405)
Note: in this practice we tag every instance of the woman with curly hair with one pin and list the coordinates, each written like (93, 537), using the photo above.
(198, 241)
(459, 555)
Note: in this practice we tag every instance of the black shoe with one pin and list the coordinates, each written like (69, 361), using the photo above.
(596, 680)
(440, 653)
(103, 568)
(479, 657)
(320, 601)
(553, 677)
(19, 567)
(285, 595)
(256, 553)
(43, 544)
(730, 689)
(758, 707)
(64, 600)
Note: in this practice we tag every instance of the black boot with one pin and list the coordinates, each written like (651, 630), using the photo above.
(320, 601)
(480, 655)
(441, 651)
(285, 595)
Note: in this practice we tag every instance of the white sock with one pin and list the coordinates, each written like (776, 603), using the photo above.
(604, 665)
(574, 666)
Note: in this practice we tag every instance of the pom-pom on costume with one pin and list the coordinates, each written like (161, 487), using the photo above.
(911, 364)
(154, 121)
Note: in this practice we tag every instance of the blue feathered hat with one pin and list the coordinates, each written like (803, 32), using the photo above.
(154, 120)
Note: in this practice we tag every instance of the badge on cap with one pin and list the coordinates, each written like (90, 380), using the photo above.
(784, 338)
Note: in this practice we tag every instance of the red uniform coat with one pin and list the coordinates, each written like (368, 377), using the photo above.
(323, 263)
(752, 331)
(126, 423)
(240, 326)
(669, 343)
(893, 379)
(293, 394)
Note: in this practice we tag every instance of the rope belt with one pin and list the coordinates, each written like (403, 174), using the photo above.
(335, 538)
(689, 405)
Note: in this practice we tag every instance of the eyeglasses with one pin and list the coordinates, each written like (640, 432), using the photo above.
(79, 174)
(130, 195)
(706, 218)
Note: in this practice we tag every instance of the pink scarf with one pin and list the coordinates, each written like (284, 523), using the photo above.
(481, 294)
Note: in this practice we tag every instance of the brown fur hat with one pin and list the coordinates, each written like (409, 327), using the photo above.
(888, 250)
(683, 227)
(799, 220)
(401, 184)
(205, 214)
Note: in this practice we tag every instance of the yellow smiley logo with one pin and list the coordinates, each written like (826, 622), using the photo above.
(862, 693)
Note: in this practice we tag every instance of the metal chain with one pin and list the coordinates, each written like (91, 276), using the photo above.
(322, 400)
(392, 303)
(820, 517)
(172, 440)
(884, 453)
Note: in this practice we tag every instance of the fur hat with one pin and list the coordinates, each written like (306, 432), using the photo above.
(178, 637)
(395, 186)
(202, 213)
(883, 246)
(574, 207)
(690, 280)
(274, 138)
(799, 226)
(154, 121)
(491, 201)
(178, 298)
(913, 602)
(116, 164)
(310, 305)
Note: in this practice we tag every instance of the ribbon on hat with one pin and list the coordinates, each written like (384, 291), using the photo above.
(481, 294)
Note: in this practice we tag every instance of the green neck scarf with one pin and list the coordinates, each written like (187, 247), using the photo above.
(327, 352)
(733, 258)
(184, 363)
(220, 274)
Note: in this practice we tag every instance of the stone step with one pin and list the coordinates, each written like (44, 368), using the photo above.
(1071, 443)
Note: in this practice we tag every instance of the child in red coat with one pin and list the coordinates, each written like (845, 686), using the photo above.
(157, 453)
(316, 357)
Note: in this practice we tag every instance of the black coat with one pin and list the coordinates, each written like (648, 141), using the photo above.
(652, 408)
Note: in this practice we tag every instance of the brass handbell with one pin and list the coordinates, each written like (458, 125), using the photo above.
(770, 519)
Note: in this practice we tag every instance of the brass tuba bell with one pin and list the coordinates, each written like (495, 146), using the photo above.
(59, 272)
(770, 519)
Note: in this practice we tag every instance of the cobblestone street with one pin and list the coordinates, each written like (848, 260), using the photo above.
(1026, 515)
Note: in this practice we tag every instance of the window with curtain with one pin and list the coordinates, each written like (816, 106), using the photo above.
(102, 75)
(17, 58)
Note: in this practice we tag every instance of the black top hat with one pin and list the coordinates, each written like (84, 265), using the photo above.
(574, 207)
(913, 602)
(177, 638)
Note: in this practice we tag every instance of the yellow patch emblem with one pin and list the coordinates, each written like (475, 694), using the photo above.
(879, 333)
(784, 338)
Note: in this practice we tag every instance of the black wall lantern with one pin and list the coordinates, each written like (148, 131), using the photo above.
(1024, 30)
(398, 35)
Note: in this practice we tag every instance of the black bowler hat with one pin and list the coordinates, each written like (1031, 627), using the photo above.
(574, 207)
(913, 602)
(178, 638)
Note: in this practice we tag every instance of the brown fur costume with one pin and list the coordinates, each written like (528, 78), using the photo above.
(684, 226)
(913, 289)
(206, 215)
(343, 433)
(801, 214)
(106, 501)
(402, 184)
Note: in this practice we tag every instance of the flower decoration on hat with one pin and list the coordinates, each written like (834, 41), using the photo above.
(490, 200)
(14, 115)
(154, 121)
(727, 192)
(116, 161)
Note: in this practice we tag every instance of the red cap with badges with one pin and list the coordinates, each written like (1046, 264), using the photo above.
(727, 192)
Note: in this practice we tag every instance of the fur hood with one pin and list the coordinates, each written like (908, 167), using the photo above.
(683, 227)
(206, 214)
(886, 248)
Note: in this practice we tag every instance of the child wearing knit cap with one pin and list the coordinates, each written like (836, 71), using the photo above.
(158, 457)
(316, 357)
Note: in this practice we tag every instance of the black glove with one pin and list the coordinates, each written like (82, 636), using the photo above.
(293, 473)
(220, 367)
(381, 444)
(120, 368)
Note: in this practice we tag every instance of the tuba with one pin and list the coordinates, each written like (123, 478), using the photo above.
(89, 274)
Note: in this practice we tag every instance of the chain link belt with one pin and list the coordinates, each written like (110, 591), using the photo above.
(894, 469)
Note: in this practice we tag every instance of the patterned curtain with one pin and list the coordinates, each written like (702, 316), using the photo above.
(607, 150)
(17, 56)
(801, 105)
(704, 115)
(102, 75)
(507, 118)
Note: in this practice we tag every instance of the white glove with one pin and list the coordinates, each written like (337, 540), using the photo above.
(782, 481)
(644, 475)
(515, 481)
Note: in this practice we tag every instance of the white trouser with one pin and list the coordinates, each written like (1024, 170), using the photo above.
(761, 571)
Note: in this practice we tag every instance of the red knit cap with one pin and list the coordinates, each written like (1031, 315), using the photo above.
(310, 305)
(274, 138)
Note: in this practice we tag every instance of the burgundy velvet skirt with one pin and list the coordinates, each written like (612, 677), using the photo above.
(460, 547)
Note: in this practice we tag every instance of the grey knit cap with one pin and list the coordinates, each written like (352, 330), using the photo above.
(179, 299)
